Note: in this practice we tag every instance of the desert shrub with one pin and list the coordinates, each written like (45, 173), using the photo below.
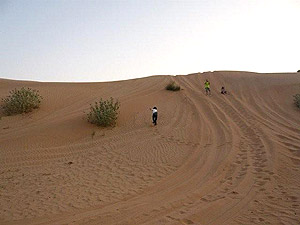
(298, 71)
(173, 87)
(104, 113)
(22, 100)
(297, 100)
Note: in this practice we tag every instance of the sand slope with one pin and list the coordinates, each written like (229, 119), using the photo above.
(231, 159)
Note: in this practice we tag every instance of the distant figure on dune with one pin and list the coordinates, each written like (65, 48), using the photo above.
(207, 87)
(223, 91)
(154, 115)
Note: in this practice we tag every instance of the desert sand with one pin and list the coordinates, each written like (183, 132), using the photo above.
(232, 159)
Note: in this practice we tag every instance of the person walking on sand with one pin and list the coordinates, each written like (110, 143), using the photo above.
(154, 115)
(207, 87)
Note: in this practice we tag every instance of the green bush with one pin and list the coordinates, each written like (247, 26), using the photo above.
(173, 87)
(297, 100)
(19, 101)
(104, 113)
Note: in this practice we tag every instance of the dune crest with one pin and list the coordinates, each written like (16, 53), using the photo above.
(232, 159)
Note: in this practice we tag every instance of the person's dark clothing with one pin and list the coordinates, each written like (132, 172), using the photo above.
(154, 118)
(223, 91)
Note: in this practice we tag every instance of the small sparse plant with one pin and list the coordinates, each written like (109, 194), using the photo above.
(172, 87)
(93, 134)
(22, 100)
(104, 113)
(297, 100)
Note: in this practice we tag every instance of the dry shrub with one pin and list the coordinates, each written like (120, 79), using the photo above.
(20, 101)
(297, 100)
(172, 87)
(104, 113)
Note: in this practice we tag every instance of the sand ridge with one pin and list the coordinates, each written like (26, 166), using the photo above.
(216, 159)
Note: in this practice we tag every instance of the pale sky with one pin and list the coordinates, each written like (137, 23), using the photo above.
(68, 40)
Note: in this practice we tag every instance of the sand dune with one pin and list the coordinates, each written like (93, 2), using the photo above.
(216, 159)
